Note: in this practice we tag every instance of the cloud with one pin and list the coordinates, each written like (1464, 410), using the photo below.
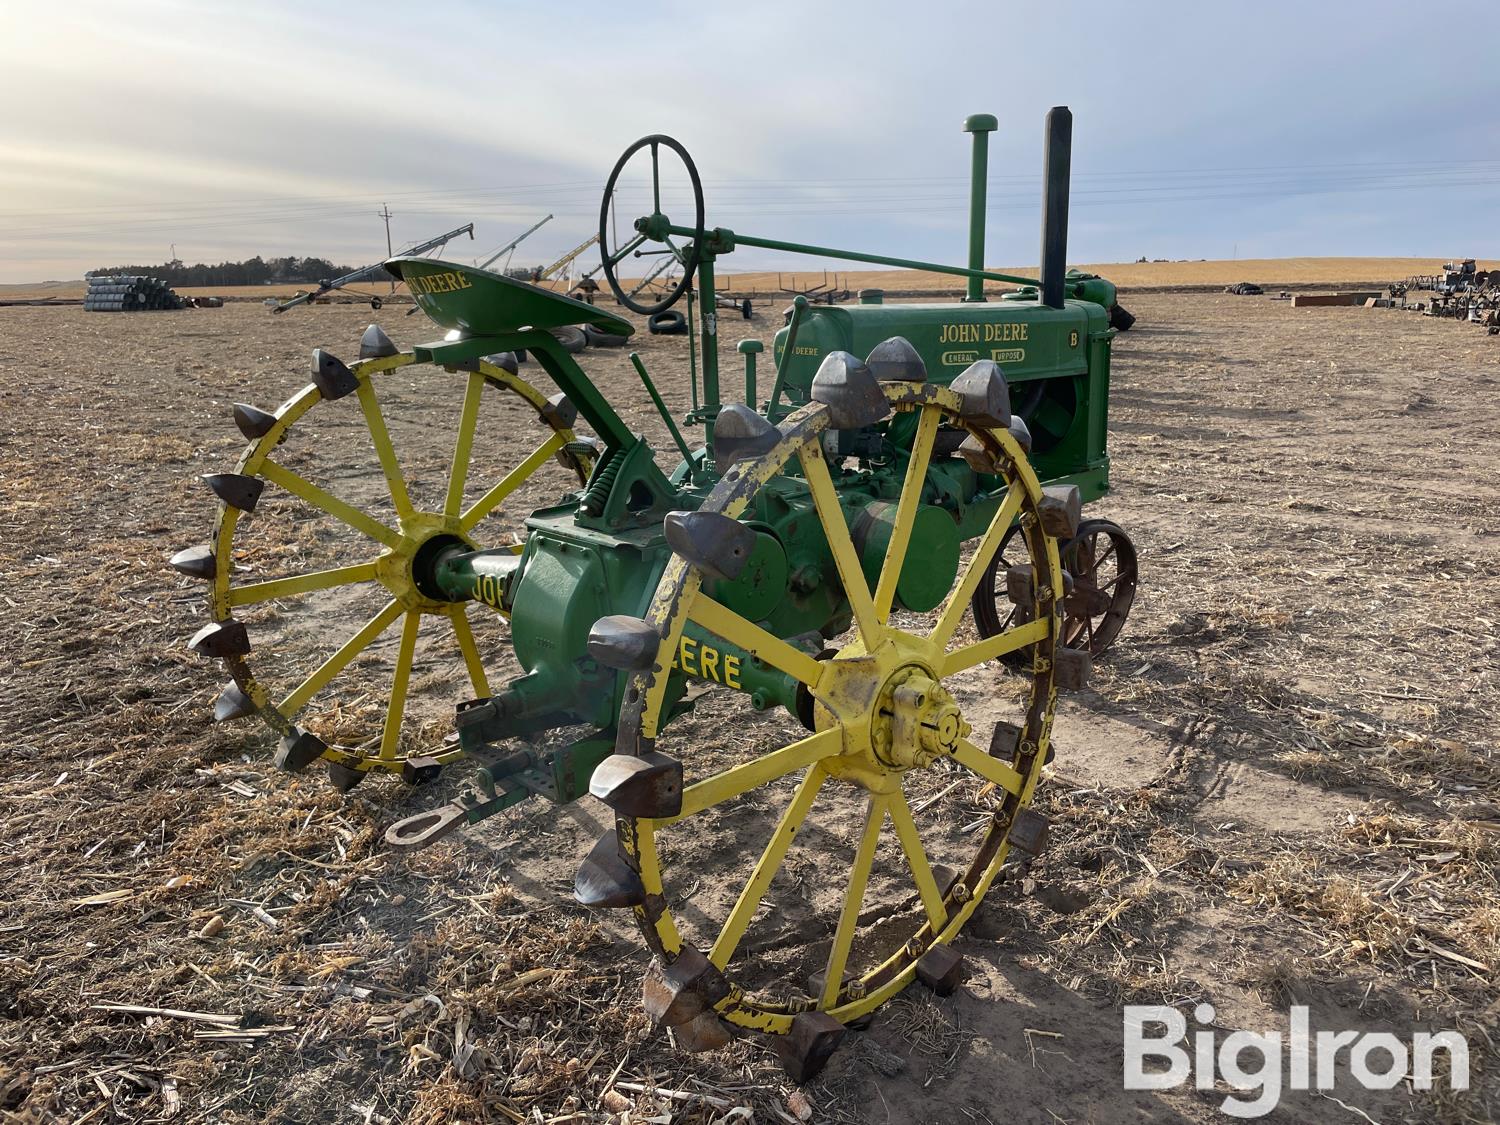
(281, 127)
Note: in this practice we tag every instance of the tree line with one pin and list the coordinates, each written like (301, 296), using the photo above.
(253, 271)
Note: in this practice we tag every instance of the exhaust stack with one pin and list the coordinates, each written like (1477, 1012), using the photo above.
(981, 125)
(1056, 170)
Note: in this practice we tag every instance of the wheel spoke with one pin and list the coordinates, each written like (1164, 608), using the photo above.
(1101, 560)
(339, 660)
(463, 447)
(906, 511)
(992, 769)
(836, 531)
(655, 180)
(769, 863)
(759, 771)
(916, 859)
(390, 736)
(854, 897)
(988, 649)
(512, 480)
(465, 636)
(724, 622)
(256, 592)
(958, 600)
(626, 249)
(304, 489)
(375, 421)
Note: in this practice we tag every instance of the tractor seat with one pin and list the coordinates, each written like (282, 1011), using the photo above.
(479, 303)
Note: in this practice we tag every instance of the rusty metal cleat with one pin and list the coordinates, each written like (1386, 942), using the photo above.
(560, 411)
(713, 542)
(704, 1032)
(605, 880)
(1005, 741)
(1019, 430)
(806, 1049)
(851, 392)
(375, 344)
(235, 489)
(1028, 833)
(299, 750)
(945, 876)
(505, 361)
(1071, 668)
(984, 394)
(252, 421)
(681, 996)
(649, 785)
(1060, 509)
(941, 969)
(220, 639)
(978, 457)
(232, 703)
(344, 778)
(420, 770)
(741, 433)
(196, 562)
(896, 361)
(1020, 584)
(623, 642)
(332, 378)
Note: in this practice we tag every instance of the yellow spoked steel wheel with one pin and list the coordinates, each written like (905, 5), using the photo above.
(321, 549)
(907, 733)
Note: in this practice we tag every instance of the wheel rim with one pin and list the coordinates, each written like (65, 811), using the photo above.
(1102, 561)
(887, 714)
(383, 560)
(1101, 564)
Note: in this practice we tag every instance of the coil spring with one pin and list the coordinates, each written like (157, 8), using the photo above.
(604, 480)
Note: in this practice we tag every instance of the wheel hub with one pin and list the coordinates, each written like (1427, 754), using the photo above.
(920, 723)
(895, 712)
(407, 570)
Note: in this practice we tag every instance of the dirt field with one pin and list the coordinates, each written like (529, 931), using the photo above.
(1282, 787)
(1136, 275)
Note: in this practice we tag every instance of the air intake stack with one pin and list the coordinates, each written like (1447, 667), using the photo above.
(1056, 169)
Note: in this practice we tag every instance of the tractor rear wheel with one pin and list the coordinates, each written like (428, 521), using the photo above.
(773, 898)
(325, 538)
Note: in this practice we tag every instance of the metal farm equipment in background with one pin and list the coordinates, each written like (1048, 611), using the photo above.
(801, 580)
(367, 273)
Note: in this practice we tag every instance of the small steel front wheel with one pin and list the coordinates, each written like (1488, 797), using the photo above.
(1100, 562)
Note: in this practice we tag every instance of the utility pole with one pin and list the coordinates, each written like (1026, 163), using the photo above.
(385, 213)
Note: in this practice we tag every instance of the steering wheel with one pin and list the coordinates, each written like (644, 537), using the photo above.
(652, 227)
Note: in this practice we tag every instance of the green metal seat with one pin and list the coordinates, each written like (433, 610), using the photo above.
(477, 302)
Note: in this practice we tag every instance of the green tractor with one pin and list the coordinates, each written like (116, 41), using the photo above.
(807, 572)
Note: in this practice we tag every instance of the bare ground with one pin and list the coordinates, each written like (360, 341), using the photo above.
(1281, 788)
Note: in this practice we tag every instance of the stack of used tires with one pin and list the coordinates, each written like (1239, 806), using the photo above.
(119, 293)
(574, 338)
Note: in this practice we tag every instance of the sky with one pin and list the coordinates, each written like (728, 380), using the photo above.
(220, 131)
